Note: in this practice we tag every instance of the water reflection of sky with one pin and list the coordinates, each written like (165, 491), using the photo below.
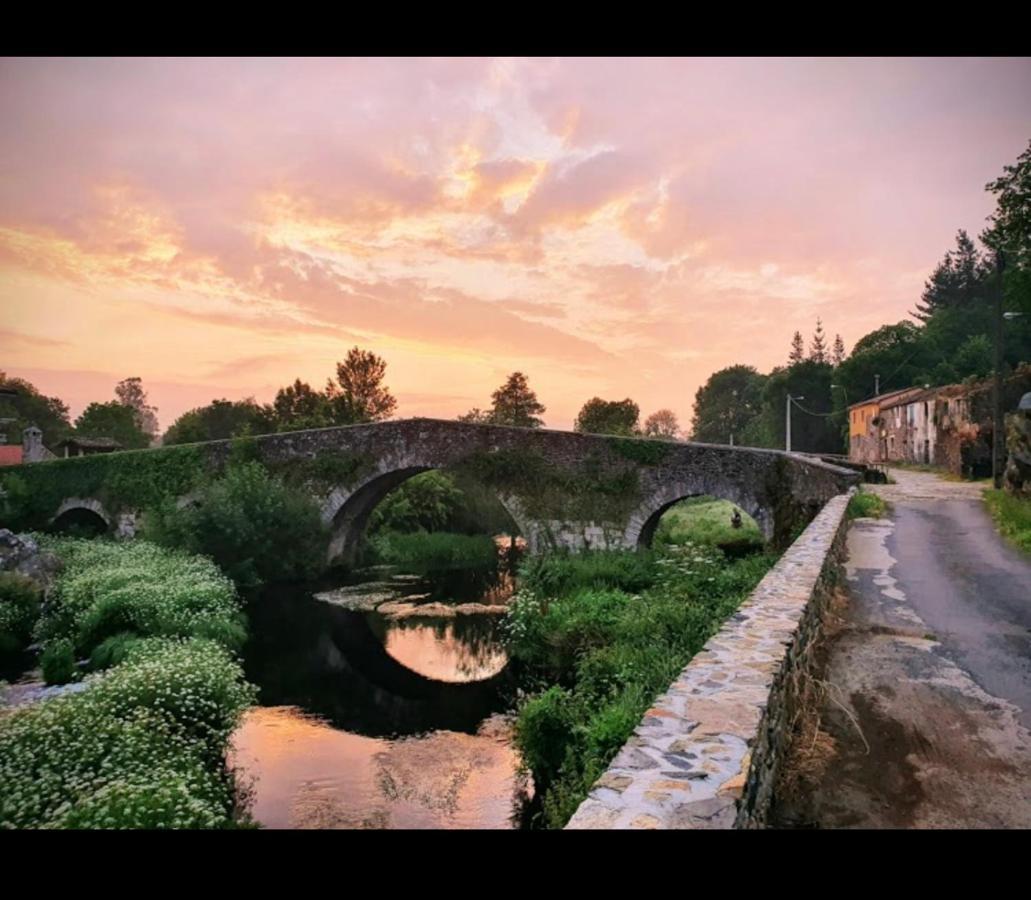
(461, 649)
(307, 774)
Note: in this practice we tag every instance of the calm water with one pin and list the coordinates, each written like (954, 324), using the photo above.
(381, 705)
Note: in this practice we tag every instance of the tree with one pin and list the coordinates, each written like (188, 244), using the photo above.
(797, 353)
(477, 416)
(220, 420)
(359, 394)
(818, 348)
(1010, 224)
(957, 282)
(1009, 234)
(896, 353)
(515, 404)
(112, 420)
(838, 353)
(298, 406)
(728, 407)
(252, 525)
(815, 425)
(26, 406)
(662, 424)
(608, 417)
(129, 392)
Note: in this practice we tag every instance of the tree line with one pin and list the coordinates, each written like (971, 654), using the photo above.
(948, 339)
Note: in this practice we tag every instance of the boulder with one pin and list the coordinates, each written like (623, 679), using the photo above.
(22, 554)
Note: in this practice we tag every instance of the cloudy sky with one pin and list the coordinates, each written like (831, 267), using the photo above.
(610, 227)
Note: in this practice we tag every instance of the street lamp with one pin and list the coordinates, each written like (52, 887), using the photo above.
(1010, 316)
(787, 414)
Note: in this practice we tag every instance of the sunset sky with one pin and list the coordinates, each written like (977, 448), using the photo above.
(610, 227)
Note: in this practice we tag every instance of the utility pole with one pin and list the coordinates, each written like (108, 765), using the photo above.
(877, 385)
(787, 421)
(998, 439)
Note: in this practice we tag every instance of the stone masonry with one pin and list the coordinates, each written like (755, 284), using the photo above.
(706, 754)
(779, 490)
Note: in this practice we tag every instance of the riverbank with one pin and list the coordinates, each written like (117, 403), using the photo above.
(149, 635)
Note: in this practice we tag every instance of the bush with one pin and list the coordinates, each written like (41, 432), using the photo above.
(605, 653)
(865, 504)
(141, 748)
(58, 662)
(114, 590)
(254, 527)
(19, 609)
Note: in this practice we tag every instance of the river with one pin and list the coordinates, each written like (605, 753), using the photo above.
(382, 704)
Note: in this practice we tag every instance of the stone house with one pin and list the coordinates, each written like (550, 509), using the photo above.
(867, 440)
(950, 426)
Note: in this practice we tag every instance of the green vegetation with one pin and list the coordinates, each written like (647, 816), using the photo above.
(422, 551)
(19, 609)
(143, 745)
(132, 478)
(866, 504)
(250, 523)
(599, 416)
(547, 490)
(357, 395)
(112, 420)
(137, 589)
(706, 520)
(514, 403)
(140, 748)
(597, 637)
(1012, 517)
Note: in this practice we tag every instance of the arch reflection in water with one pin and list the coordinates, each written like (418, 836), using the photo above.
(368, 721)
(459, 649)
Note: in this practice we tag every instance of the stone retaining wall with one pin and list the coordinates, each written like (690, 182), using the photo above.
(706, 754)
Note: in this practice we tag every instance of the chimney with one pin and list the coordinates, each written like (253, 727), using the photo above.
(32, 445)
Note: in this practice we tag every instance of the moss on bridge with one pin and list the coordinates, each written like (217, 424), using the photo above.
(131, 479)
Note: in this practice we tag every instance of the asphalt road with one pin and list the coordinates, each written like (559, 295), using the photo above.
(926, 675)
(971, 589)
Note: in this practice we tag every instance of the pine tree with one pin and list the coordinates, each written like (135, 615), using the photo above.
(797, 354)
(838, 354)
(956, 282)
(818, 348)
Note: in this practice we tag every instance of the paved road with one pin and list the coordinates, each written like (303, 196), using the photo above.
(927, 710)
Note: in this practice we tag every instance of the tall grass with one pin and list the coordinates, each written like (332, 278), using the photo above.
(705, 520)
(423, 551)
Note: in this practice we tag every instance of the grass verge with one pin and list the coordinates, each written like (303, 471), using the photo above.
(1012, 516)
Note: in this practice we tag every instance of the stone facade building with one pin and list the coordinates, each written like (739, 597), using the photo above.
(950, 426)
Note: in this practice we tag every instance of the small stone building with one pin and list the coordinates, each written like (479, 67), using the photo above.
(83, 446)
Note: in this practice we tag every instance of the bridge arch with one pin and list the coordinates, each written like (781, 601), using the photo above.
(85, 511)
(347, 512)
(645, 519)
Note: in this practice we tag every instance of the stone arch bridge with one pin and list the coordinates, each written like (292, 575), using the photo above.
(563, 489)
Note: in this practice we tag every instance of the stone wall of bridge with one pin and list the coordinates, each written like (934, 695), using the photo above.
(563, 489)
(707, 753)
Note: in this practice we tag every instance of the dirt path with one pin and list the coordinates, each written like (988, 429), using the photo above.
(927, 675)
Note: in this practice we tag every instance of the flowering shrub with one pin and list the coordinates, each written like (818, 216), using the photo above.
(598, 656)
(141, 748)
(108, 589)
